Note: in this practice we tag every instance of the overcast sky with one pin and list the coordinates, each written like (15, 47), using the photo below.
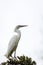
(29, 12)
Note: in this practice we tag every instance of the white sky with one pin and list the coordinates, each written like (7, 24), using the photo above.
(30, 12)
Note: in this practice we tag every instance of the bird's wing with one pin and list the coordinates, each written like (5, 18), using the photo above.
(13, 44)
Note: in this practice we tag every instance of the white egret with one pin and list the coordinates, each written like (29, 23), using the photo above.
(14, 42)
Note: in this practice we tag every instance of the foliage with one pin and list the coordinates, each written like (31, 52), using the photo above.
(22, 60)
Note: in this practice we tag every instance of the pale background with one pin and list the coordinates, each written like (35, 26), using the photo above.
(29, 12)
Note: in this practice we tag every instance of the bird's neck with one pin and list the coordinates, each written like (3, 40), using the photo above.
(18, 32)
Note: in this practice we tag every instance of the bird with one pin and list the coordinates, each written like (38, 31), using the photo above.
(13, 43)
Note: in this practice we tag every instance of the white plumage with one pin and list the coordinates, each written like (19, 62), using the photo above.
(14, 41)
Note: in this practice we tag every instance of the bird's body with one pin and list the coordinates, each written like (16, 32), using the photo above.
(12, 45)
(14, 42)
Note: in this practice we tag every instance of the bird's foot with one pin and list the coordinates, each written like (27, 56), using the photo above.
(10, 58)
(14, 58)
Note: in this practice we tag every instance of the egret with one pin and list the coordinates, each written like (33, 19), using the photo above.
(14, 42)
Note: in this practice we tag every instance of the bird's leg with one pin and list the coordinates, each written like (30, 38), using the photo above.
(13, 57)
(15, 54)
(10, 58)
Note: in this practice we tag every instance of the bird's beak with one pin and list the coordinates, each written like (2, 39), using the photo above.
(20, 26)
(23, 25)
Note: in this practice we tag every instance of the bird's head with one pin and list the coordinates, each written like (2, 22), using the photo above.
(20, 26)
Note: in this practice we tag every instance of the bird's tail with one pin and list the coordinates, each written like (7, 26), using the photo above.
(6, 55)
